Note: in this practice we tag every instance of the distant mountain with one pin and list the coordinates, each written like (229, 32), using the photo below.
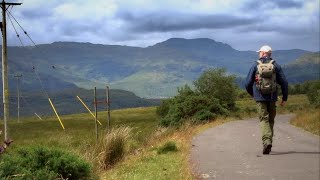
(307, 67)
(154, 71)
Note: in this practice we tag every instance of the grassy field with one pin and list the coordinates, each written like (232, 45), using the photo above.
(79, 128)
(79, 134)
(142, 160)
(308, 119)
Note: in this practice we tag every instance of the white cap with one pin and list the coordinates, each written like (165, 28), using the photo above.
(265, 48)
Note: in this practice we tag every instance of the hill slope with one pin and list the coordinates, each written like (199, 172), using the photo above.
(154, 71)
(305, 67)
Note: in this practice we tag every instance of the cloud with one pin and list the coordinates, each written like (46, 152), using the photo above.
(242, 23)
(32, 14)
(292, 19)
(270, 4)
(171, 21)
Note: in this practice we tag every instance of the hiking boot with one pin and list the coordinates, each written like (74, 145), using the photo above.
(267, 149)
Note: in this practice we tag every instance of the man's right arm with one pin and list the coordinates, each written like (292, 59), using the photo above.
(250, 80)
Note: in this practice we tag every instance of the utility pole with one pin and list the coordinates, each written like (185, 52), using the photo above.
(96, 111)
(5, 90)
(18, 94)
(108, 107)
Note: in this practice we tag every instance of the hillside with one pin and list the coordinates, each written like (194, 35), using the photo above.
(155, 71)
(66, 102)
(305, 67)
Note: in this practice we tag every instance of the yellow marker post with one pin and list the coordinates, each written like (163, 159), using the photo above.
(56, 113)
(87, 108)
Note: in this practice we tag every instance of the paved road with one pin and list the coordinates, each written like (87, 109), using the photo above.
(234, 151)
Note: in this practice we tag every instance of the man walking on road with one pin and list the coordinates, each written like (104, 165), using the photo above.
(261, 84)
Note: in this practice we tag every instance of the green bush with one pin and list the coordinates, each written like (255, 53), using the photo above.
(164, 107)
(169, 146)
(42, 163)
(314, 93)
(192, 106)
(215, 94)
(174, 116)
(214, 83)
(204, 115)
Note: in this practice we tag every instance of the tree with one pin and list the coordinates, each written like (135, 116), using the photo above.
(314, 93)
(215, 95)
(215, 83)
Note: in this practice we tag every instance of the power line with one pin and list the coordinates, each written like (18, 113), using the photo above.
(46, 62)
(15, 28)
(25, 32)
(33, 66)
(50, 64)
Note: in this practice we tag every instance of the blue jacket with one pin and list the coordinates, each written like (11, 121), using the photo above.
(280, 77)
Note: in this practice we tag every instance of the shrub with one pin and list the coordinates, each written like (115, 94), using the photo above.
(314, 93)
(42, 163)
(215, 94)
(174, 116)
(214, 83)
(113, 147)
(204, 115)
(192, 106)
(169, 146)
(164, 107)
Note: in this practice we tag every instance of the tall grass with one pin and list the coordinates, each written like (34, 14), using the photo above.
(112, 148)
(308, 119)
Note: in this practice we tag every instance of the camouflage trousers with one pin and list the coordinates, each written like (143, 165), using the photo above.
(267, 113)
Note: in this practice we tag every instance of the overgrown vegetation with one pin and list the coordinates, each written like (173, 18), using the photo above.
(79, 138)
(43, 163)
(215, 94)
(313, 93)
(308, 120)
(112, 148)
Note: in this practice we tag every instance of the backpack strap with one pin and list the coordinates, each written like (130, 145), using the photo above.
(271, 62)
(259, 62)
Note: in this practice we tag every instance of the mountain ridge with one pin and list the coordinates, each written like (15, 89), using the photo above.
(153, 71)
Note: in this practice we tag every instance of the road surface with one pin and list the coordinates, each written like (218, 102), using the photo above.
(234, 151)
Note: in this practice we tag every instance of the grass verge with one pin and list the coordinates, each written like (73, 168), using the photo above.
(149, 164)
(308, 120)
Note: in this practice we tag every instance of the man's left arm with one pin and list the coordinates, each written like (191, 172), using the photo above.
(282, 80)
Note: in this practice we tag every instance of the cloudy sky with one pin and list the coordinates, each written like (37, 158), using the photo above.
(243, 24)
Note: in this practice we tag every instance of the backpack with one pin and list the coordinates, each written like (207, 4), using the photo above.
(266, 77)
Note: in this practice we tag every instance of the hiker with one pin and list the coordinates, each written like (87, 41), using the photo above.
(261, 84)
